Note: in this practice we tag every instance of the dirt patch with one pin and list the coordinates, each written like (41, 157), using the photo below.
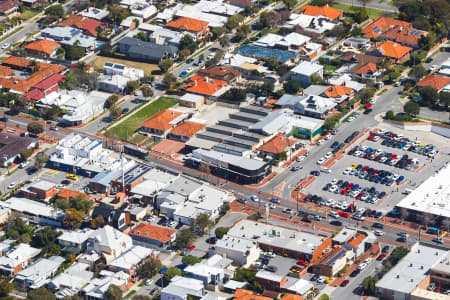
(99, 62)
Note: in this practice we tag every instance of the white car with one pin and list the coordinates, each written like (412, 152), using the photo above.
(351, 119)
(148, 282)
(189, 70)
(333, 188)
(321, 279)
(320, 142)
(321, 160)
(300, 158)
(396, 176)
(325, 170)
(368, 260)
(373, 101)
(334, 181)
(254, 198)
(362, 266)
(333, 214)
(11, 185)
(328, 155)
(378, 232)
(6, 45)
(347, 171)
(328, 136)
(272, 206)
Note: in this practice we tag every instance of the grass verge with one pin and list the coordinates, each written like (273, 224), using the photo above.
(348, 9)
(28, 14)
(127, 127)
(11, 33)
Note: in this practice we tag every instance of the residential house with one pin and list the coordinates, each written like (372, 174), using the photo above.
(406, 36)
(116, 218)
(242, 294)
(243, 3)
(331, 262)
(296, 289)
(143, 11)
(134, 74)
(312, 26)
(5, 213)
(357, 42)
(45, 87)
(69, 282)
(74, 241)
(382, 24)
(307, 105)
(152, 235)
(128, 261)
(69, 36)
(181, 288)
(346, 80)
(12, 145)
(160, 123)
(357, 245)
(367, 71)
(95, 13)
(40, 190)
(323, 11)
(37, 274)
(31, 3)
(191, 100)
(87, 25)
(277, 145)
(199, 29)
(340, 93)
(303, 72)
(221, 73)
(209, 275)
(96, 288)
(18, 258)
(160, 35)
(135, 48)
(154, 181)
(117, 76)
(193, 12)
(115, 84)
(69, 194)
(437, 82)
(203, 85)
(8, 8)
(243, 252)
(270, 280)
(185, 130)
(392, 50)
(43, 48)
(109, 242)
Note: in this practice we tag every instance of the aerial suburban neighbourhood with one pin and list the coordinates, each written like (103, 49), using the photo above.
(224, 149)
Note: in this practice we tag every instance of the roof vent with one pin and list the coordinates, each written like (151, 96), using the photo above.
(398, 276)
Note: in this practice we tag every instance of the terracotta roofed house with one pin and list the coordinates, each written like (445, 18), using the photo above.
(184, 131)
(88, 25)
(221, 73)
(406, 36)
(324, 11)
(197, 27)
(206, 86)
(392, 50)
(378, 26)
(368, 70)
(153, 235)
(242, 294)
(435, 81)
(67, 194)
(44, 48)
(339, 92)
(278, 144)
(161, 122)
(8, 7)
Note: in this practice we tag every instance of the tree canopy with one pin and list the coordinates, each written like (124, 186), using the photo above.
(411, 108)
(190, 260)
(113, 293)
(171, 273)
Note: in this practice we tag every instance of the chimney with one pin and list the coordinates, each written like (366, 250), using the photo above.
(195, 82)
(206, 79)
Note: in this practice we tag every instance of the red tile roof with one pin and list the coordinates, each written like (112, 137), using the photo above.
(16, 61)
(325, 11)
(161, 120)
(87, 24)
(403, 35)
(187, 128)
(205, 85)
(375, 28)
(357, 240)
(6, 5)
(219, 71)
(44, 46)
(277, 144)
(368, 68)
(169, 147)
(162, 234)
(242, 294)
(435, 81)
(34, 95)
(50, 81)
(67, 194)
(188, 24)
(5, 71)
(291, 297)
(338, 91)
(393, 50)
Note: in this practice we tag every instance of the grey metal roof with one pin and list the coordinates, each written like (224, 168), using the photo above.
(242, 162)
(235, 123)
(183, 186)
(221, 129)
(136, 46)
(316, 89)
(259, 110)
(230, 149)
(272, 123)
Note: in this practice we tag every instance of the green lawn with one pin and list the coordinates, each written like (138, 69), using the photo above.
(138, 138)
(28, 14)
(126, 128)
(371, 12)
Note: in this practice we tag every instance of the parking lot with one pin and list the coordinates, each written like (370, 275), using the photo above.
(387, 183)
(58, 177)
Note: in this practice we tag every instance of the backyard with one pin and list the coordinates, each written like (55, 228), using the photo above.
(126, 128)
(348, 9)
(99, 62)
(28, 14)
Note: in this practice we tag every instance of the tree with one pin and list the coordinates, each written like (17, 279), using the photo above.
(97, 222)
(397, 254)
(141, 35)
(132, 85)
(324, 297)
(165, 64)
(224, 41)
(141, 297)
(217, 32)
(368, 285)
(183, 54)
(74, 52)
(330, 124)
(444, 99)
(429, 95)
(73, 218)
(111, 100)
(290, 3)
(25, 153)
(316, 79)
(171, 273)
(115, 111)
(242, 32)
(55, 11)
(113, 293)
(45, 237)
(389, 115)
(190, 260)
(411, 108)
(35, 127)
(292, 86)
(118, 13)
(235, 94)
(184, 238)
(267, 88)
(40, 294)
(188, 42)
(203, 222)
(417, 72)
(169, 79)
(221, 231)
(40, 159)
(6, 287)
(147, 91)
(361, 15)
(150, 267)
(234, 21)
(426, 42)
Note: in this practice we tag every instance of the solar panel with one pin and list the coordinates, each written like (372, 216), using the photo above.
(376, 29)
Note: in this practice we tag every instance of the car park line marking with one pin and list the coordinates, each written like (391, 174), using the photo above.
(421, 168)
(280, 186)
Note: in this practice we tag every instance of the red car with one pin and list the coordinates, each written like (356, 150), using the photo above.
(374, 171)
(350, 185)
(381, 257)
(191, 247)
(345, 282)
(370, 138)
(304, 263)
(359, 196)
(343, 214)
(394, 156)
(344, 192)
(300, 262)
(438, 288)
